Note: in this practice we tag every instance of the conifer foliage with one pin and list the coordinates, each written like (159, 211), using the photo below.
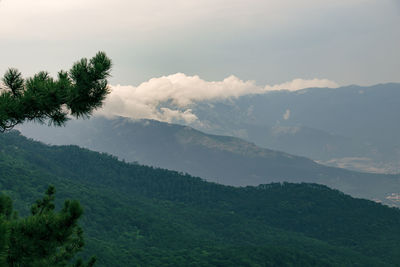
(45, 238)
(41, 97)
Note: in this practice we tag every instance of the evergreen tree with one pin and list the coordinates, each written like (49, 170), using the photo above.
(41, 97)
(45, 238)
(48, 238)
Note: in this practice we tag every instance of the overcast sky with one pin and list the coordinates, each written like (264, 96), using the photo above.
(267, 41)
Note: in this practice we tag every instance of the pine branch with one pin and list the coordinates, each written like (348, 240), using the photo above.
(42, 98)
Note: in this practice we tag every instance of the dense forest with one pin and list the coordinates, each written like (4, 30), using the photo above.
(185, 149)
(144, 216)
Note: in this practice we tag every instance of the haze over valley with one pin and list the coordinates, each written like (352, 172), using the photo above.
(199, 133)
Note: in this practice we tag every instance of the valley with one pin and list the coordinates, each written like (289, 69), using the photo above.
(222, 159)
(139, 215)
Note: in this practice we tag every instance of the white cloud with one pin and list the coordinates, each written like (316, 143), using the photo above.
(286, 116)
(298, 84)
(210, 37)
(169, 98)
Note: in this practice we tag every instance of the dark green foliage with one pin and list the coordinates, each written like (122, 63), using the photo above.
(45, 238)
(14, 81)
(185, 149)
(5, 206)
(42, 97)
(142, 216)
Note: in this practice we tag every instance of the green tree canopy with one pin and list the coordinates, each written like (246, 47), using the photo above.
(48, 238)
(40, 98)
(45, 238)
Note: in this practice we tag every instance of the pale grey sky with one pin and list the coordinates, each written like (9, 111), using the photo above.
(270, 41)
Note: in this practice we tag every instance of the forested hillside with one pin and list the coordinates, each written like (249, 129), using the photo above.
(222, 159)
(138, 215)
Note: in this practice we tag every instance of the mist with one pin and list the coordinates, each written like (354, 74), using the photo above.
(170, 98)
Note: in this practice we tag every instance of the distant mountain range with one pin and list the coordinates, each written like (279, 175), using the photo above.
(136, 215)
(354, 127)
(221, 159)
(351, 127)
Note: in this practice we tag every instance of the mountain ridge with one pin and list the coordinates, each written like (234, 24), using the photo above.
(226, 160)
(332, 123)
(139, 215)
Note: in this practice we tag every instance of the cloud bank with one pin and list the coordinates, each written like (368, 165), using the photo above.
(170, 98)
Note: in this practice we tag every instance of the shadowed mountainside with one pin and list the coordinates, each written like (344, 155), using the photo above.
(352, 126)
(222, 159)
(138, 215)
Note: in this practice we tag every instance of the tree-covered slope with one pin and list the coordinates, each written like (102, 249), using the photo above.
(354, 127)
(138, 215)
(222, 159)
